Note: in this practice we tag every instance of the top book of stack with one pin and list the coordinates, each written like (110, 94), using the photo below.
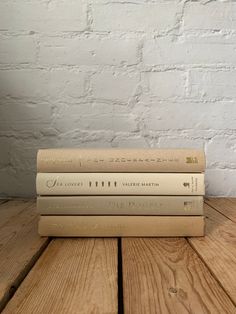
(121, 160)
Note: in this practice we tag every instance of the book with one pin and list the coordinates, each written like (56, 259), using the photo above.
(120, 184)
(120, 205)
(121, 226)
(120, 160)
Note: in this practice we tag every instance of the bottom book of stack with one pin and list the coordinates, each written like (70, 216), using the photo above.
(121, 216)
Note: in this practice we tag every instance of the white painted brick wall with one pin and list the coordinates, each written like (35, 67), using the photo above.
(189, 50)
(175, 87)
(117, 73)
(118, 86)
(88, 51)
(130, 17)
(215, 16)
(43, 16)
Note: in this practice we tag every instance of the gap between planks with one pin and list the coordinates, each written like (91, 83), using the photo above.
(225, 206)
(167, 276)
(217, 249)
(73, 275)
(120, 278)
(20, 245)
(215, 255)
(196, 245)
(2, 201)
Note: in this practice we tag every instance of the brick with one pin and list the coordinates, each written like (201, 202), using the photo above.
(129, 141)
(97, 143)
(115, 86)
(17, 50)
(28, 84)
(115, 1)
(220, 182)
(95, 117)
(24, 160)
(23, 83)
(214, 15)
(64, 83)
(213, 85)
(22, 181)
(188, 51)
(77, 116)
(88, 51)
(15, 111)
(200, 115)
(178, 141)
(37, 16)
(117, 123)
(79, 138)
(95, 108)
(168, 84)
(148, 17)
(24, 117)
(221, 151)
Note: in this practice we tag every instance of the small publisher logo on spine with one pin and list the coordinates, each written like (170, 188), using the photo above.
(51, 183)
(191, 160)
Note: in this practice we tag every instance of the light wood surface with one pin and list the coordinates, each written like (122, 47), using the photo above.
(20, 244)
(226, 206)
(218, 249)
(11, 209)
(72, 276)
(167, 276)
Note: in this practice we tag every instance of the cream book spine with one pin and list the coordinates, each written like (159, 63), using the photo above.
(121, 226)
(120, 184)
(120, 160)
(120, 205)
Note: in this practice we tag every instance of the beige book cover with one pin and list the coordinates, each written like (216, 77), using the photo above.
(120, 205)
(121, 226)
(120, 184)
(120, 160)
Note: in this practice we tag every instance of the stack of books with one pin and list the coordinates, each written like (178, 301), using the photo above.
(120, 192)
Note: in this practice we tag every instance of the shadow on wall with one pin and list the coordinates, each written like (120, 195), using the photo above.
(27, 125)
(21, 134)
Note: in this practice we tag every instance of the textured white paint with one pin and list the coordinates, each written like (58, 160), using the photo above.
(88, 51)
(131, 17)
(117, 73)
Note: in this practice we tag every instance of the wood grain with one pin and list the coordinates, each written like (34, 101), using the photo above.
(218, 249)
(20, 245)
(167, 276)
(72, 276)
(13, 209)
(226, 206)
(2, 201)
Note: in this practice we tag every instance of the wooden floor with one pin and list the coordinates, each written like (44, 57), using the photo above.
(129, 275)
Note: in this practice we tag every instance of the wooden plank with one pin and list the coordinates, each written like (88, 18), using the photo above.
(166, 276)
(20, 245)
(226, 206)
(72, 276)
(2, 201)
(218, 249)
(12, 209)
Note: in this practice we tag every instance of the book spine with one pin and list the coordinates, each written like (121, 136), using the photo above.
(120, 160)
(120, 184)
(121, 226)
(120, 205)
